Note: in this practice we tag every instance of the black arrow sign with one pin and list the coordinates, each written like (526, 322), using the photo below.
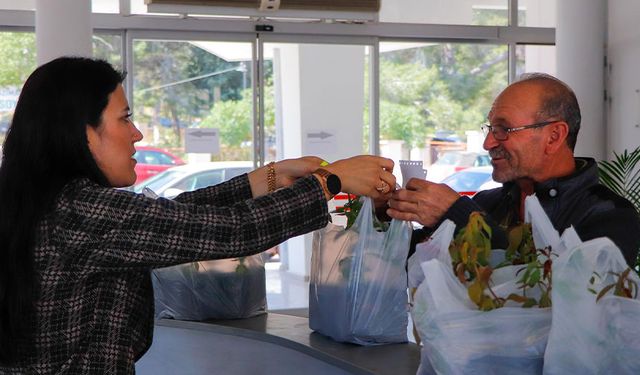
(203, 133)
(321, 135)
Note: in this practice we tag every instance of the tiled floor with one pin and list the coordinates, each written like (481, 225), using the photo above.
(285, 291)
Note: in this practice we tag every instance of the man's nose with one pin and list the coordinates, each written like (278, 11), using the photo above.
(489, 142)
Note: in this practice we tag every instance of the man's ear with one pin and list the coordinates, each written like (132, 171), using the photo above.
(557, 136)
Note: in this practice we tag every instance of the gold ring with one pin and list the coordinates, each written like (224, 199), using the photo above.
(383, 188)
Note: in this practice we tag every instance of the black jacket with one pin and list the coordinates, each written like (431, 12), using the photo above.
(578, 200)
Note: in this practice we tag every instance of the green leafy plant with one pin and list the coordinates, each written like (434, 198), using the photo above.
(470, 252)
(352, 208)
(622, 287)
(622, 175)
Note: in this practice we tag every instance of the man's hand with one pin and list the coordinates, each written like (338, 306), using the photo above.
(422, 201)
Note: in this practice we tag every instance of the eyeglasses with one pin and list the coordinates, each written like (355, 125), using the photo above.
(501, 133)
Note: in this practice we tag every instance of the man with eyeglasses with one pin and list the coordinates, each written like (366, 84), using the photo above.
(531, 134)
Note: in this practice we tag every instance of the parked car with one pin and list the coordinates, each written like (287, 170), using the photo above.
(472, 180)
(453, 161)
(153, 160)
(189, 177)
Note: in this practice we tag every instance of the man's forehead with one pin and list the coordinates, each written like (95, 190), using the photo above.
(516, 100)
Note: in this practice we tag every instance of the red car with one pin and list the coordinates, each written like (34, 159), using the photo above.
(153, 160)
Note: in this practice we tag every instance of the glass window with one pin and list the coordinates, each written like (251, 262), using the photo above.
(234, 172)
(109, 48)
(179, 85)
(207, 179)
(434, 96)
(316, 100)
(534, 58)
(316, 103)
(160, 181)
(105, 6)
(452, 12)
(467, 181)
(21, 49)
(537, 13)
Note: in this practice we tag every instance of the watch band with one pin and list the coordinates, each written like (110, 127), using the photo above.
(330, 182)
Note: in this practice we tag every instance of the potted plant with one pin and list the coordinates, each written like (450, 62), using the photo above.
(622, 175)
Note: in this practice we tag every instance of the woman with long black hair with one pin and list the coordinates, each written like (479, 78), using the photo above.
(76, 254)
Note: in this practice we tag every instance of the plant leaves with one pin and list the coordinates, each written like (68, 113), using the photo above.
(475, 292)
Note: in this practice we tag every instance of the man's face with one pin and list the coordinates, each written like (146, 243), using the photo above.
(521, 155)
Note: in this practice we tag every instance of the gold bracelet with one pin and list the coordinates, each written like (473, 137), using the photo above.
(271, 177)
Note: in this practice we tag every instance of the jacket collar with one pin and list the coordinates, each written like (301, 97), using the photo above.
(584, 176)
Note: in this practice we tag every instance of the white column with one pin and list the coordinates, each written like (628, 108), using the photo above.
(63, 27)
(322, 92)
(623, 125)
(580, 46)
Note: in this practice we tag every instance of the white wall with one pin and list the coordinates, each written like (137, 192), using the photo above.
(580, 43)
(623, 130)
(63, 27)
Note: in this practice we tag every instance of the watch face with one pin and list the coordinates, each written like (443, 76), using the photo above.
(333, 184)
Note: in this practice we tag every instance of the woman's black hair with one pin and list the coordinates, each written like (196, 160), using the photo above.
(45, 148)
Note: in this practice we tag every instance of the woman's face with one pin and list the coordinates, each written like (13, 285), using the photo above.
(112, 143)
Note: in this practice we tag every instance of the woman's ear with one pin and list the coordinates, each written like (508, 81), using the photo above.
(93, 138)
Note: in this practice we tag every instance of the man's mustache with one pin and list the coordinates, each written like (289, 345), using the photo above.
(499, 153)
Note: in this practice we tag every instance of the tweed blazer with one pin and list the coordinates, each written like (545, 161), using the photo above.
(95, 249)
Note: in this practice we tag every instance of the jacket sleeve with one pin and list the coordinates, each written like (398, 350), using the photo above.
(226, 193)
(103, 228)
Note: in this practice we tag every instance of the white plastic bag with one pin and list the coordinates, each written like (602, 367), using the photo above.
(216, 289)
(589, 337)
(459, 339)
(358, 286)
(436, 246)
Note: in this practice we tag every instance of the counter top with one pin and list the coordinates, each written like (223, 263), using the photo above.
(266, 343)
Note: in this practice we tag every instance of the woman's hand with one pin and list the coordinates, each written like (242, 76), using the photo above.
(365, 175)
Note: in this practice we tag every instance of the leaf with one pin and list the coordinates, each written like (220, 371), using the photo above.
(622, 175)
(487, 305)
(530, 303)
(460, 273)
(475, 292)
(515, 237)
(484, 274)
(547, 269)
(545, 300)
(464, 253)
(517, 298)
(535, 278)
(604, 291)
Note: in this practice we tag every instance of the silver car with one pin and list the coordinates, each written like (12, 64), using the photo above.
(189, 177)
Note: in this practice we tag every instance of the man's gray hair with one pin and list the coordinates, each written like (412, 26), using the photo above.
(558, 101)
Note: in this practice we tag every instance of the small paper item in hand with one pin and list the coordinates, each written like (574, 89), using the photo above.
(411, 169)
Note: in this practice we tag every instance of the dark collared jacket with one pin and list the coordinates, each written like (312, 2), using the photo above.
(95, 250)
(578, 200)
